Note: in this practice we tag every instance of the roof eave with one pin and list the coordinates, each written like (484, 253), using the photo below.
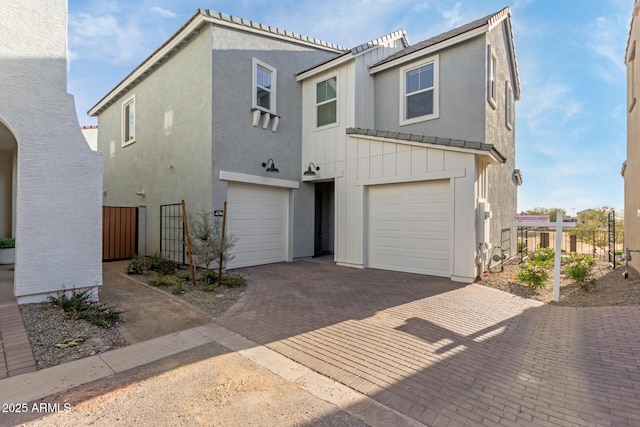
(346, 57)
(429, 49)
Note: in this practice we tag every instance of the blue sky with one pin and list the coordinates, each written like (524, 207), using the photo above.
(570, 121)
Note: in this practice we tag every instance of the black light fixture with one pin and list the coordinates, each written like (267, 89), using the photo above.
(310, 171)
(271, 168)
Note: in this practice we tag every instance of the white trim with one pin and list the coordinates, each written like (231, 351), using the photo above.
(509, 105)
(129, 101)
(350, 265)
(315, 108)
(324, 67)
(273, 90)
(322, 176)
(435, 60)
(428, 176)
(428, 50)
(492, 64)
(428, 145)
(260, 180)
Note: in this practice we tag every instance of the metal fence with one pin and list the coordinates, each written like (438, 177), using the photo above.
(172, 233)
(594, 243)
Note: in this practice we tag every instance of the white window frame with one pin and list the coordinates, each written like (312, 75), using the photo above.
(316, 104)
(509, 105)
(127, 137)
(254, 86)
(631, 78)
(492, 62)
(435, 60)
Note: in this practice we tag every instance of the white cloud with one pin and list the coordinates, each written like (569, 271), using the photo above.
(547, 104)
(165, 13)
(452, 16)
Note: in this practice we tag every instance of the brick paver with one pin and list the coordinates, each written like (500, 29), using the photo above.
(16, 356)
(446, 353)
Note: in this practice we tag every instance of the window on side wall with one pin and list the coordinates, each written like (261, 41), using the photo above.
(509, 105)
(129, 121)
(491, 77)
(264, 87)
(631, 95)
(326, 102)
(419, 92)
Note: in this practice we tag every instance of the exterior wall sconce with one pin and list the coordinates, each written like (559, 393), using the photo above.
(310, 171)
(271, 168)
(141, 193)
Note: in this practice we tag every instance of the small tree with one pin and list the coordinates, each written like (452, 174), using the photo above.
(206, 240)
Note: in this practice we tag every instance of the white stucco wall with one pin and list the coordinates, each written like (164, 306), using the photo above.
(59, 179)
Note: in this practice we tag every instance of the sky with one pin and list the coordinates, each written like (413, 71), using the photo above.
(570, 120)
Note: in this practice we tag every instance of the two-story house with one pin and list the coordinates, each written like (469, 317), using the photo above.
(50, 181)
(388, 155)
(198, 119)
(415, 147)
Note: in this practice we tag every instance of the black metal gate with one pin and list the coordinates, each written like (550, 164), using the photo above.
(172, 233)
(611, 221)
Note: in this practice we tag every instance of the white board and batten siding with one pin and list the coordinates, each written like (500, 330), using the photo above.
(258, 216)
(409, 227)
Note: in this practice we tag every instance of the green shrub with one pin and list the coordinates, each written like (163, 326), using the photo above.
(137, 265)
(81, 306)
(165, 281)
(543, 256)
(7, 242)
(209, 278)
(534, 275)
(161, 265)
(177, 288)
(579, 270)
(234, 280)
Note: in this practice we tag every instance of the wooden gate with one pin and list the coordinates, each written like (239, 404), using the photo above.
(119, 232)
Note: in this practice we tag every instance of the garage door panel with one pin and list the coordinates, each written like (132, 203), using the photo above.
(409, 227)
(258, 217)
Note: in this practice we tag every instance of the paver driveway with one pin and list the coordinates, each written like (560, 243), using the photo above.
(447, 353)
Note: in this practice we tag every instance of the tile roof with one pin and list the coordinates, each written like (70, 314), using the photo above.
(478, 23)
(433, 140)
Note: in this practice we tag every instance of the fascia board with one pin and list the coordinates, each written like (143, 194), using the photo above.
(324, 67)
(429, 50)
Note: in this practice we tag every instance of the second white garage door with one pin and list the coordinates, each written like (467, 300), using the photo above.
(258, 216)
(409, 227)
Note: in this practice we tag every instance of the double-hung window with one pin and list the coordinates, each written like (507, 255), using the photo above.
(129, 121)
(326, 102)
(419, 89)
(264, 87)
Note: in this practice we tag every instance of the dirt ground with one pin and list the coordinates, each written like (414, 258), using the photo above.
(610, 288)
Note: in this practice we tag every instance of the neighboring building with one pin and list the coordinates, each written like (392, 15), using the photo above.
(416, 145)
(631, 167)
(90, 134)
(50, 181)
(390, 155)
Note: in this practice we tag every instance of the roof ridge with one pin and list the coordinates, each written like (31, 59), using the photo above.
(268, 29)
(379, 40)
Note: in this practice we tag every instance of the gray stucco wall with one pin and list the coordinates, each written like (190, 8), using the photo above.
(462, 89)
(171, 158)
(502, 188)
(241, 147)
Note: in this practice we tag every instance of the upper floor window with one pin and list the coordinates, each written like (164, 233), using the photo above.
(264, 87)
(491, 77)
(419, 89)
(326, 102)
(129, 121)
(509, 105)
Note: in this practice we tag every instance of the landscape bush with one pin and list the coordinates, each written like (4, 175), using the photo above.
(534, 275)
(80, 305)
(579, 269)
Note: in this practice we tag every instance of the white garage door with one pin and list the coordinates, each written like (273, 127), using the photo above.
(409, 227)
(258, 216)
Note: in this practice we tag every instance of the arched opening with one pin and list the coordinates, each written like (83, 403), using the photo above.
(8, 187)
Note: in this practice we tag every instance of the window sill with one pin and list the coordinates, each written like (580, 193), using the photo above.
(267, 117)
(492, 102)
(127, 143)
(419, 119)
(327, 126)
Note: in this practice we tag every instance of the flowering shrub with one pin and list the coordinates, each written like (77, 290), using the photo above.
(543, 257)
(579, 270)
(81, 306)
(534, 275)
